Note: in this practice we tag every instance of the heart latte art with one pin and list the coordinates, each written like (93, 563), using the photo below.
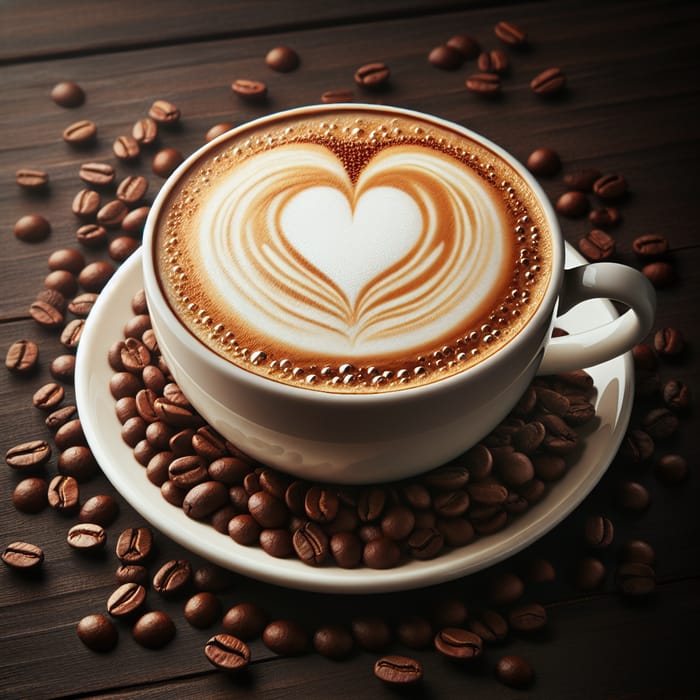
(359, 252)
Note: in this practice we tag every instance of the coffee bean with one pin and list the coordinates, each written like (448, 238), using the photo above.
(597, 245)
(447, 612)
(285, 637)
(560, 439)
(515, 671)
(372, 76)
(110, 216)
(245, 620)
(126, 148)
(126, 600)
(458, 644)
(97, 174)
(610, 187)
(572, 204)
(62, 368)
(22, 356)
(589, 574)
(598, 531)
(251, 90)
(145, 130)
(81, 132)
(153, 630)
(68, 259)
(321, 504)
(505, 588)
(134, 545)
(488, 493)
(32, 228)
(165, 161)
(202, 610)
(86, 203)
(449, 477)
(29, 495)
(23, 555)
(446, 57)
(92, 235)
(333, 642)
(637, 446)
(335, 96)
(213, 579)
(510, 34)
(660, 423)
(209, 444)
(102, 509)
(164, 112)
(650, 245)
(346, 549)
(218, 129)
(633, 496)
(134, 221)
(669, 342)
(227, 653)
(87, 537)
(46, 315)
(137, 326)
(132, 573)
(529, 617)
(98, 633)
(371, 633)
(67, 94)
(398, 670)
(132, 189)
(63, 493)
(671, 469)
(549, 82)
(494, 61)
(466, 45)
(122, 247)
(77, 461)
(488, 84)
(676, 395)
(514, 468)
(490, 626)
(540, 570)
(582, 180)
(173, 577)
(205, 498)
(605, 217)
(544, 162)
(31, 178)
(635, 579)
(34, 453)
(95, 275)
(637, 551)
(310, 543)
(72, 332)
(282, 59)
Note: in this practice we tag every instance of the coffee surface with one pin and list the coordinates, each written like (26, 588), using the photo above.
(352, 250)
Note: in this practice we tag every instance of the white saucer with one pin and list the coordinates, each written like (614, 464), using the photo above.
(96, 408)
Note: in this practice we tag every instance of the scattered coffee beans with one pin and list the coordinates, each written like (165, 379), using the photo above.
(22, 356)
(573, 204)
(549, 82)
(80, 133)
(32, 228)
(488, 84)
(282, 59)
(31, 178)
(67, 94)
(510, 34)
(227, 652)
(87, 536)
(165, 161)
(252, 90)
(372, 76)
(398, 670)
(30, 495)
(446, 57)
(154, 630)
(544, 162)
(126, 600)
(286, 638)
(23, 555)
(164, 112)
(515, 671)
(466, 45)
(98, 633)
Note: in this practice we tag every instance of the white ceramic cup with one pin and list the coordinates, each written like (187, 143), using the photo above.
(365, 438)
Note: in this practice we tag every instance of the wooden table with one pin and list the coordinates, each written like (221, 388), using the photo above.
(631, 107)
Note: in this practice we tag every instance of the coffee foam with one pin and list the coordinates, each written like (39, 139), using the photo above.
(348, 253)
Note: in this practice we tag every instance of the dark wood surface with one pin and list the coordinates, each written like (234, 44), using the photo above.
(632, 107)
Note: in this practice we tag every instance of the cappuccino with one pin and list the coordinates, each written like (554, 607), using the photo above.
(352, 250)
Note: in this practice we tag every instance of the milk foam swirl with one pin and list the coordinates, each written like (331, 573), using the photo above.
(400, 258)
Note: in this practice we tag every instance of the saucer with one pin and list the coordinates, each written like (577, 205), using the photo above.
(613, 381)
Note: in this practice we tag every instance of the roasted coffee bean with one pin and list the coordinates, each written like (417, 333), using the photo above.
(632, 496)
(372, 75)
(145, 130)
(505, 588)
(514, 468)
(227, 653)
(490, 626)
(135, 220)
(488, 84)
(53, 297)
(540, 570)
(637, 446)
(64, 493)
(245, 620)
(34, 453)
(398, 521)
(31, 178)
(213, 579)
(126, 600)
(173, 577)
(86, 203)
(637, 551)
(466, 45)
(137, 326)
(217, 130)
(102, 509)
(92, 235)
(446, 57)
(98, 633)
(447, 612)
(135, 356)
(72, 332)
(132, 189)
(164, 112)
(205, 498)
(515, 671)
(286, 638)
(544, 162)
(30, 495)
(23, 555)
(62, 281)
(398, 670)
(22, 356)
(660, 423)
(62, 368)
(111, 215)
(533, 491)
(669, 342)
(529, 437)
(80, 132)
(134, 545)
(282, 59)
(589, 574)
(572, 204)
(310, 543)
(494, 61)
(529, 617)
(604, 217)
(70, 434)
(458, 644)
(610, 187)
(598, 531)
(597, 245)
(126, 148)
(249, 89)
(560, 439)
(671, 468)
(153, 630)
(551, 81)
(582, 180)
(676, 395)
(87, 536)
(346, 549)
(82, 304)
(321, 504)
(335, 96)
(165, 161)
(98, 174)
(67, 94)
(635, 579)
(488, 493)
(415, 632)
(95, 275)
(510, 34)
(371, 633)
(371, 503)
(333, 642)
(456, 532)
(207, 443)
(132, 573)
(382, 553)
(202, 610)
(77, 461)
(173, 494)
(650, 245)
(46, 315)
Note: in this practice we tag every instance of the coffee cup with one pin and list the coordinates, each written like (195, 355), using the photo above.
(359, 293)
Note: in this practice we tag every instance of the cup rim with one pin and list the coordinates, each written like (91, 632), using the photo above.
(155, 294)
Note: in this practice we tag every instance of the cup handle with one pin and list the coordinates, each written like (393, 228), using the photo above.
(590, 347)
